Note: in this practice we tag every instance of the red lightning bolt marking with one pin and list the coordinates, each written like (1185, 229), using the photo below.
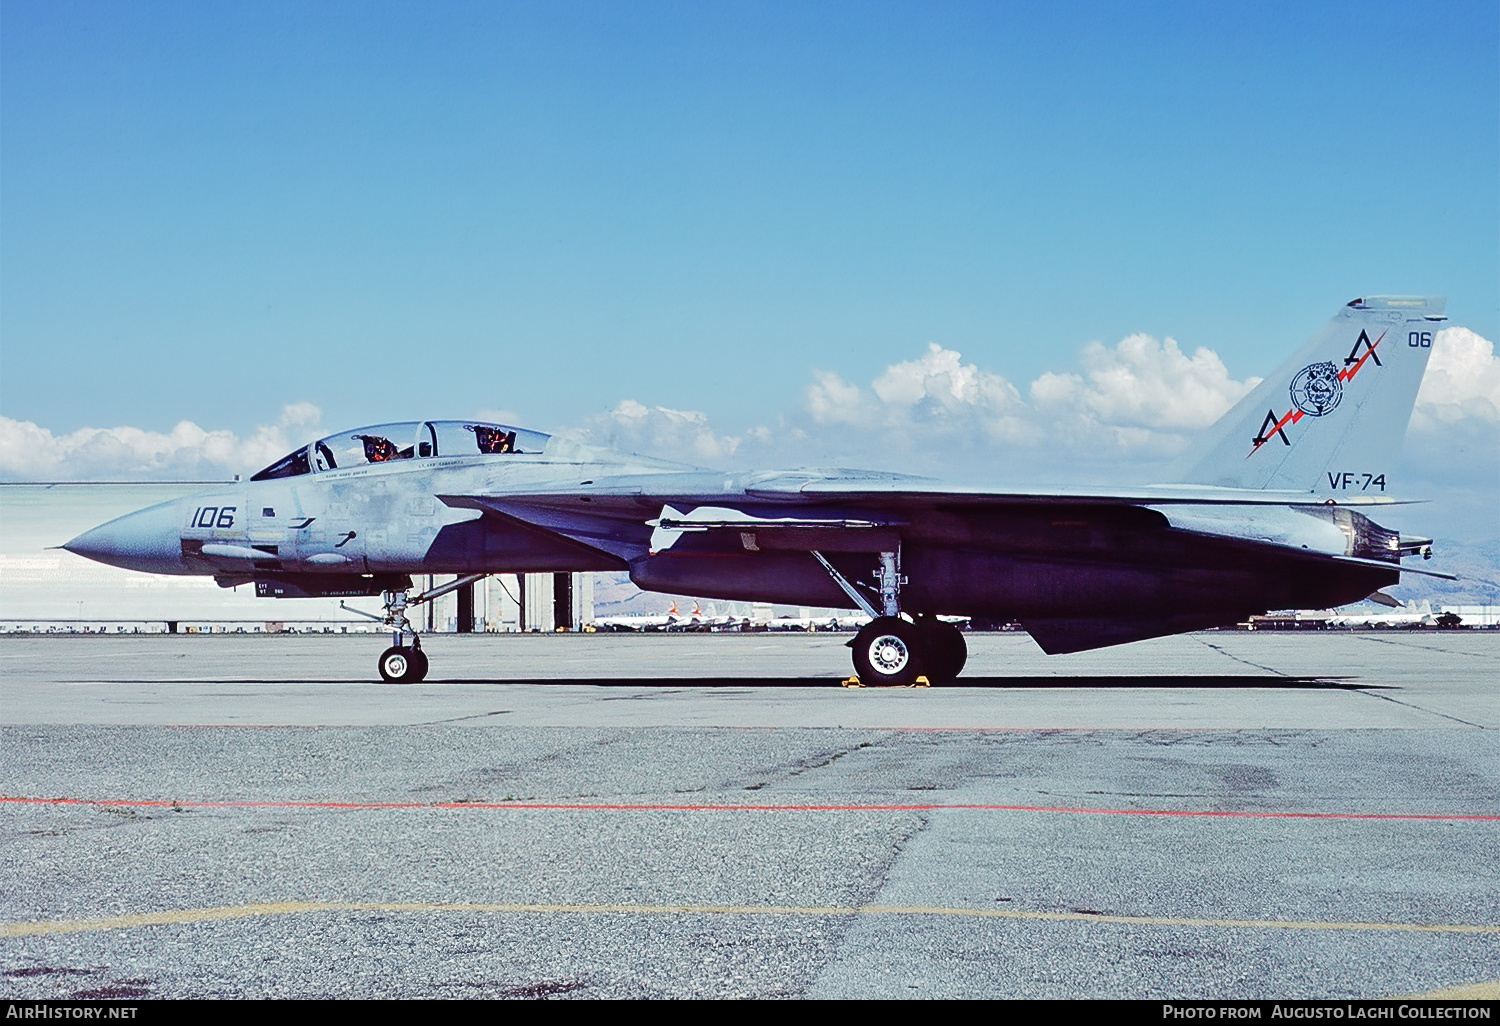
(1291, 418)
(1347, 374)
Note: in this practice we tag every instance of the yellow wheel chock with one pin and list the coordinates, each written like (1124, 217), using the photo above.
(855, 682)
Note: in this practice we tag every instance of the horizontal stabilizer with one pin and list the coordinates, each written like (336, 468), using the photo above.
(903, 494)
(1384, 565)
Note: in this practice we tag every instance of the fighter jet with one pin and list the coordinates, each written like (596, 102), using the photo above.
(1399, 615)
(639, 622)
(1267, 512)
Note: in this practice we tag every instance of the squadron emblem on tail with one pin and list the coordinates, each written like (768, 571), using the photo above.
(1317, 389)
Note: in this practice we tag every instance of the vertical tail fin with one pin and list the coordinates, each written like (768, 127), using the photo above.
(1332, 418)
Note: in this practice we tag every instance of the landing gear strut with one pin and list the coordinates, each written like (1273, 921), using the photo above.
(891, 649)
(403, 663)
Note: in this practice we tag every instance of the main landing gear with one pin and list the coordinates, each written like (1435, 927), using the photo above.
(892, 650)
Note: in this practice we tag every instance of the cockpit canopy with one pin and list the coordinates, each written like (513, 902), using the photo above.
(386, 443)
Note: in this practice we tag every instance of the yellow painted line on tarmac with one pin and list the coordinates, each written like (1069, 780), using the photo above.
(200, 915)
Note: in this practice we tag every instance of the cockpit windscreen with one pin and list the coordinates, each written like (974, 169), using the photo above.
(386, 443)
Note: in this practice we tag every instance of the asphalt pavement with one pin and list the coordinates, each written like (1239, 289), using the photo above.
(1223, 815)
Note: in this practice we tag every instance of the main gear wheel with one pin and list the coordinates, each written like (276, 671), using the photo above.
(944, 649)
(888, 651)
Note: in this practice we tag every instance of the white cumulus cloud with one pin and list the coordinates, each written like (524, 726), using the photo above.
(30, 452)
(1138, 397)
(832, 400)
(1462, 381)
(940, 383)
(1142, 388)
(1121, 407)
(936, 395)
(660, 431)
(1453, 448)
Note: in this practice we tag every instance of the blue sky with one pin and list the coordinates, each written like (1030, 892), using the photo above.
(211, 210)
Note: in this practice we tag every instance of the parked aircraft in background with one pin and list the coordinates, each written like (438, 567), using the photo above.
(1266, 513)
(1401, 615)
(834, 622)
(638, 621)
(696, 621)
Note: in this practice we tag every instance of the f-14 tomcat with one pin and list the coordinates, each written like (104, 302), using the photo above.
(1265, 513)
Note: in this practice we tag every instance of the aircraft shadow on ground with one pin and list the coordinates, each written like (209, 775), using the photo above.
(976, 683)
(973, 683)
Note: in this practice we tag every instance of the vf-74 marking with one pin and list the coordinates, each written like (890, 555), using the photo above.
(1363, 482)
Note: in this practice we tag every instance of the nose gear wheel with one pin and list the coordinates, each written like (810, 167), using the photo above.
(400, 664)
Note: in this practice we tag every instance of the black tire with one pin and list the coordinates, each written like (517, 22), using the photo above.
(419, 666)
(398, 663)
(888, 650)
(946, 651)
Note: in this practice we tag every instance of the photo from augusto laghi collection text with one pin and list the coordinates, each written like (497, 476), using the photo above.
(1320, 1010)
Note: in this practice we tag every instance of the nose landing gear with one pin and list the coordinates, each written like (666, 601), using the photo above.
(403, 663)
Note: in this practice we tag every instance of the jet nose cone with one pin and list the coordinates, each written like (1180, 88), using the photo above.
(149, 540)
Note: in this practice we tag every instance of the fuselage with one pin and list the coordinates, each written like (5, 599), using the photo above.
(1260, 516)
(360, 529)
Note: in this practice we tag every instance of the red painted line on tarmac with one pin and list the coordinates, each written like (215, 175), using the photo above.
(656, 807)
